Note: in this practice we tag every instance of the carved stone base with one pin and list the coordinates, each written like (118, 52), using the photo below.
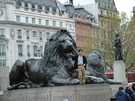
(95, 92)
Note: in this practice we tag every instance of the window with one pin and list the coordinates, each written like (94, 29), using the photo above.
(20, 50)
(26, 6)
(1, 31)
(39, 21)
(34, 34)
(33, 7)
(54, 23)
(2, 55)
(33, 20)
(61, 24)
(27, 35)
(62, 12)
(19, 34)
(47, 10)
(35, 51)
(54, 10)
(47, 22)
(26, 19)
(28, 50)
(39, 8)
(70, 26)
(18, 18)
(40, 36)
(101, 12)
(48, 35)
(18, 5)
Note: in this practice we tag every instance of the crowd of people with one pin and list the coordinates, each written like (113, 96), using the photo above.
(125, 94)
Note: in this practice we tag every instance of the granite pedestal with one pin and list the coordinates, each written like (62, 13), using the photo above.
(97, 92)
(120, 72)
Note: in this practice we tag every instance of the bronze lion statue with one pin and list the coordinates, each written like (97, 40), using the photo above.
(54, 68)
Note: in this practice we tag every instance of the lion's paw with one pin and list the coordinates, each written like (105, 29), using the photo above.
(75, 81)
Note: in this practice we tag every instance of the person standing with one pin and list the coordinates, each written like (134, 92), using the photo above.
(80, 59)
(129, 93)
(133, 94)
(118, 47)
(80, 65)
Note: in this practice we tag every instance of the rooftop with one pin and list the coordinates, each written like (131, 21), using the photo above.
(79, 12)
(47, 3)
(107, 4)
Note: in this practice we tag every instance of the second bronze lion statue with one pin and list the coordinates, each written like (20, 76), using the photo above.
(54, 68)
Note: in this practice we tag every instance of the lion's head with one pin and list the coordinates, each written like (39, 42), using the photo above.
(95, 58)
(60, 45)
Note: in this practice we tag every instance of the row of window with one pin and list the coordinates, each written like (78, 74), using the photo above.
(37, 51)
(39, 8)
(40, 21)
(2, 51)
(35, 35)
(107, 5)
(108, 13)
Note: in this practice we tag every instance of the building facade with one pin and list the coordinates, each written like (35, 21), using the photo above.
(85, 32)
(85, 26)
(108, 14)
(109, 23)
(26, 25)
(134, 11)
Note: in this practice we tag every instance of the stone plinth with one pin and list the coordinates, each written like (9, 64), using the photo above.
(96, 92)
(119, 71)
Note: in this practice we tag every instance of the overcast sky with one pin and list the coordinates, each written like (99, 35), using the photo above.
(122, 5)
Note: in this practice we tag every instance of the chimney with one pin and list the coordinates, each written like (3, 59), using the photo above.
(71, 2)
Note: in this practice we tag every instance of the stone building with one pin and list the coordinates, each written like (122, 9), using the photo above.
(85, 29)
(134, 11)
(108, 22)
(85, 26)
(26, 25)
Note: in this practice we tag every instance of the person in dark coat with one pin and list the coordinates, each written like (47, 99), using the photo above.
(121, 95)
(133, 94)
(129, 93)
(80, 59)
(80, 66)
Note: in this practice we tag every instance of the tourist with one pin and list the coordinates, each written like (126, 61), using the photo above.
(80, 65)
(133, 94)
(129, 93)
(80, 59)
(121, 95)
